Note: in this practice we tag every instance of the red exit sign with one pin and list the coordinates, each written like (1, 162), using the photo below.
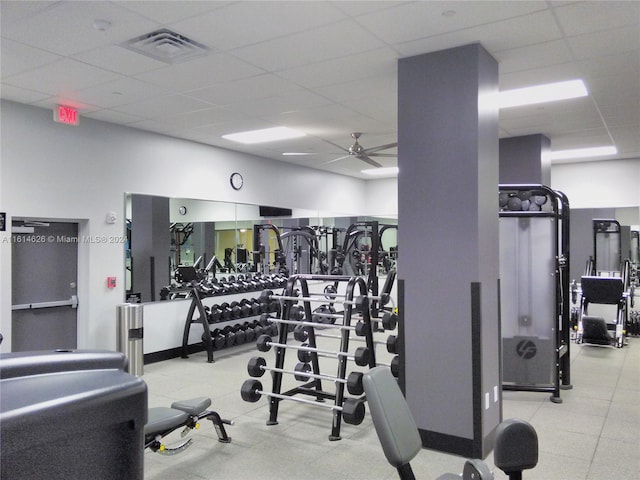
(68, 115)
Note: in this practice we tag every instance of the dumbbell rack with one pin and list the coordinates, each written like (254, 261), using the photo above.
(314, 387)
(203, 319)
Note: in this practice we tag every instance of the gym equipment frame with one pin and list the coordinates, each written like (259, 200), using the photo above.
(252, 390)
(534, 289)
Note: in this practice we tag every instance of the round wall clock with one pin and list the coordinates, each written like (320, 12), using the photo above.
(236, 181)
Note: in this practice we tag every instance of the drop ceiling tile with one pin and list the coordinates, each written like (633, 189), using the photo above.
(533, 56)
(203, 118)
(200, 72)
(62, 77)
(324, 43)
(278, 104)
(111, 116)
(119, 59)
(309, 116)
(67, 27)
(386, 85)
(627, 139)
(240, 91)
(17, 58)
(122, 91)
(608, 42)
(252, 22)
(418, 20)
(355, 8)
(163, 11)
(21, 95)
(587, 17)
(628, 62)
(615, 89)
(14, 11)
(360, 66)
(623, 113)
(512, 33)
(162, 106)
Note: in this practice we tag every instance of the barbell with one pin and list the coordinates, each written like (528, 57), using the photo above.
(257, 366)
(360, 356)
(352, 409)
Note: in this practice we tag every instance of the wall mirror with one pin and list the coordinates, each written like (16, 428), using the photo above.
(164, 233)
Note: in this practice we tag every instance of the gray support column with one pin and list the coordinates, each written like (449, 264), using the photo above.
(448, 239)
(525, 160)
(150, 244)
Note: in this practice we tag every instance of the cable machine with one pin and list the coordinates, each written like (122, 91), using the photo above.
(534, 289)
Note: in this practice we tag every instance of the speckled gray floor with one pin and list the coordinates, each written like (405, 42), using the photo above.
(593, 435)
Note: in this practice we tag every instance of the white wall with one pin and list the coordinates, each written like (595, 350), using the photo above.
(601, 184)
(54, 171)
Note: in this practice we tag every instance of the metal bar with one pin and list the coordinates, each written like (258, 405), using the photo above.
(72, 302)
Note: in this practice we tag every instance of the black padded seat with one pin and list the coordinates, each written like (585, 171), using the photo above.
(193, 406)
(595, 330)
(161, 419)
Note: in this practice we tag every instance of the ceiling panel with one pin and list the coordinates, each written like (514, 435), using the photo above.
(243, 23)
(327, 68)
(336, 40)
(587, 17)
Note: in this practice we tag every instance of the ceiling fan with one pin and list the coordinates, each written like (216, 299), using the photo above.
(361, 153)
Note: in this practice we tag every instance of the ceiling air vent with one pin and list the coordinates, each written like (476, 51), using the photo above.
(166, 46)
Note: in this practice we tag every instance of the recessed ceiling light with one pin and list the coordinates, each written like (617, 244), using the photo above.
(380, 172)
(264, 135)
(549, 92)
(583, 153)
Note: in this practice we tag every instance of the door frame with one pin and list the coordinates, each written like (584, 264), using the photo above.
(82, 279)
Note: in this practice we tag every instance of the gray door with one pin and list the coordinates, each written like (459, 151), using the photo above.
(43, 294)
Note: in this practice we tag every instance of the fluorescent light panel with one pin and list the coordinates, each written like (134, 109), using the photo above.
(549, 92)
(379, 172)
(583, 153)
(296, 154)
(264, 135)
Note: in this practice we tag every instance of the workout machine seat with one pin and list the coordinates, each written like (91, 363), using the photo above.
(392, 419)
(516, 447)
(185, 413)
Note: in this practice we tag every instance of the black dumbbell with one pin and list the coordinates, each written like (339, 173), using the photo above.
(236, 311)
(249, 332)
(240, 334)
(230, 336)
(215, 313)
(219, 340)
(226, 311)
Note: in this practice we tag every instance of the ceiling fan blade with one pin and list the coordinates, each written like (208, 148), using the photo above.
(336, 159)
(366, 159)
(337, 146)
(380, 147)
(394, 155)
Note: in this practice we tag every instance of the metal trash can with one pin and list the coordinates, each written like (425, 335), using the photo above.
(129, 336)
